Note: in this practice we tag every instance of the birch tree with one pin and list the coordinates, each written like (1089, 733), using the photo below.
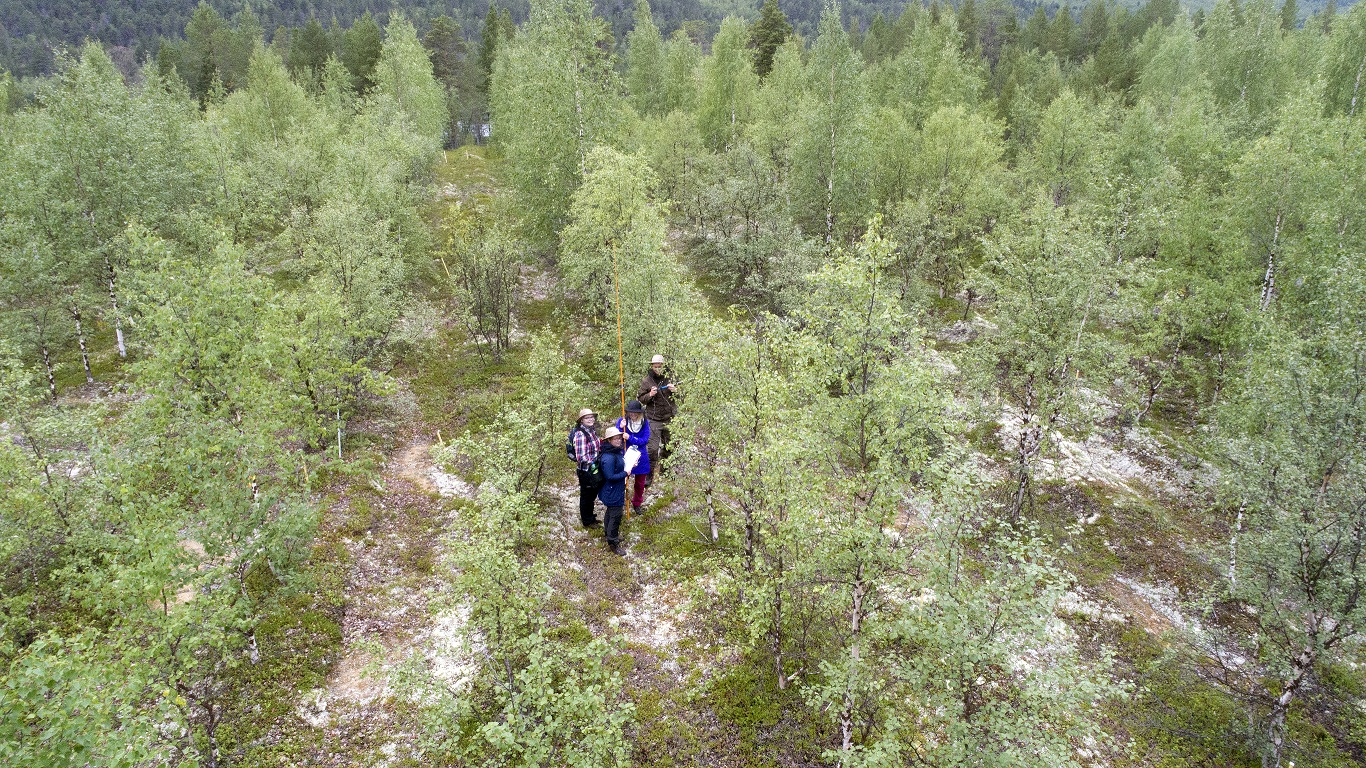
(727, 84)
(1295, 449)
(554, 96)
(1052, 285)
(831, 154)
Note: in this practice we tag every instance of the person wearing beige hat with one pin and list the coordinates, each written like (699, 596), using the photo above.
(613, 491)
(657, 391)
(584, 447)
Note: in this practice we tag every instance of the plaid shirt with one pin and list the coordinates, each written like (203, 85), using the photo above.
(587, 446)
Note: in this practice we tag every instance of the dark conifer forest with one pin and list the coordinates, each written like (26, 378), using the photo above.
(688, 383)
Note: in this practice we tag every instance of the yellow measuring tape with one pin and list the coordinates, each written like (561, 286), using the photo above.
(621, 360)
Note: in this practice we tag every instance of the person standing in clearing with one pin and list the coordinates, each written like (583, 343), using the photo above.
(657, 392)
(613, 492)
(586, 447)
(636, 428)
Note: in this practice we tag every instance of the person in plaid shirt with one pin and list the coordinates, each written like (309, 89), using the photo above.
(587, 446)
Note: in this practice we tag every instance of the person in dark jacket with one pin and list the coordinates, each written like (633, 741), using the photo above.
(612, 494)
(657, 392)
(587, 445)
(636, 429)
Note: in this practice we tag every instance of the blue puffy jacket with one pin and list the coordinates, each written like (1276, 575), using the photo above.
(613, 463)
(640, 440)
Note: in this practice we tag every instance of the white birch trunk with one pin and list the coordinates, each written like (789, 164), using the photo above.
(114, 302)
(1276, 727)
(1356, 88)
(1269, 280)
(855, 625)
(80, 338)
(51, 377)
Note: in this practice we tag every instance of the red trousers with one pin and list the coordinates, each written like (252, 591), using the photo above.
(638, 495)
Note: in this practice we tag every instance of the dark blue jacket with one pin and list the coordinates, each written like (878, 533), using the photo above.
(613, 463)
(640, 440)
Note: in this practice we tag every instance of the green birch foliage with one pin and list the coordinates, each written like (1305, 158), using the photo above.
(779, 109)
(682, 57)
(929, 74)
(645, 64)
(78, 708)
(613, 251)
(532, 697)
(1066, 157)
(98, 156)
(830, 178)
(727, 85)
(1344, 65)
(955, 186)
(993, 676)
(1294, 449)
(1053, 285)
(1240, 52)
(404, 87)
(554, 97)
(1295, 206)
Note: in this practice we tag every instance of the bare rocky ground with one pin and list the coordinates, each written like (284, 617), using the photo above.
(389, 590)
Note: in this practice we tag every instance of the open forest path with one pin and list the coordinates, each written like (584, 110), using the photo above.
(394, 531)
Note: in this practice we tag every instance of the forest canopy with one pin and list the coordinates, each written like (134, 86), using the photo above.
(1018, 360)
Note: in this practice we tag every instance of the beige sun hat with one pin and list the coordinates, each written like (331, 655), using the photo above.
(611, 433)
(586, 412)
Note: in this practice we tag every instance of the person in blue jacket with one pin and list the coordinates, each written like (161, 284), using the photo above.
(612, 494)
(636, 428)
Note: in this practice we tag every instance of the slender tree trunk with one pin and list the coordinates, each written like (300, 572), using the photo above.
(711, 517)
(1233, 548)
(1269, 280)
(114, 302)
(855, 626)
(1356, 88)
(51, 377)
(1025, 448)
(1276, 726)
(80, 338)
(751, 535)
(777, 632)
(830, 187)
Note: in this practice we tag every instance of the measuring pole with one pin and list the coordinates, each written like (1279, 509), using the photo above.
(621, 362)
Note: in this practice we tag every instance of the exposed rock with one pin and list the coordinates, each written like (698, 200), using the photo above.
(959, 333)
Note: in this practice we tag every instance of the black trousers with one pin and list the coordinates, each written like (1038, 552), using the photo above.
(589, 483)
(611, 525)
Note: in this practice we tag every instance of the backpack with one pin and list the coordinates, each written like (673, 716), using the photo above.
(569, 445)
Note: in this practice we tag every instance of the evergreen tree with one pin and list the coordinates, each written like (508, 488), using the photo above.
(1036, 30)
(768, 33)
(1290, 15)
(200, 61)
(309, 50)
(360, 51)
(490, 36)
(969, 25)
(1061, 34)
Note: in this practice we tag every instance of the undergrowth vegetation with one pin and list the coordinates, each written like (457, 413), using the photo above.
(1021, 418)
